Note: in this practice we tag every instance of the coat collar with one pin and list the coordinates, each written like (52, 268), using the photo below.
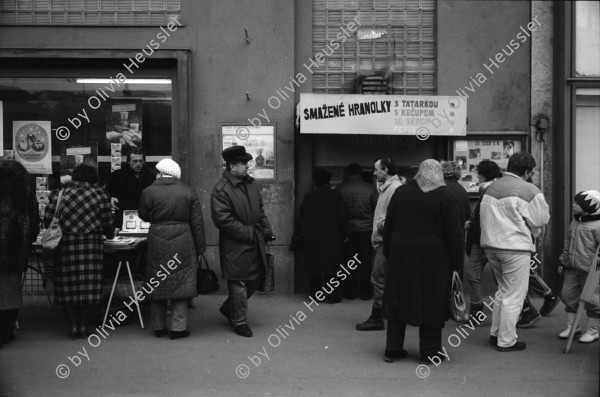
(382, 188)
(166, 181)
(234, 180)
(586, 217)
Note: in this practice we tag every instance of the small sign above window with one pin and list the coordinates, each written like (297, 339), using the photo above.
(370, 34)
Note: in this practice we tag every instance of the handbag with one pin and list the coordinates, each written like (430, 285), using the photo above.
(457, 305)
(267, 283)
(206, 279)
(53, 234)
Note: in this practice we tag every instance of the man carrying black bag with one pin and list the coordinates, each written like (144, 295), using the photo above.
(237, 211)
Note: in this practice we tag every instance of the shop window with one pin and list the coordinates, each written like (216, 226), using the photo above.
(89, 12)
(587, 39)
(137, 114)
(395, 39)
(587, 139)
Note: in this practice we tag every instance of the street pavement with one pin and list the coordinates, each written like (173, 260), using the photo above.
(314, 353)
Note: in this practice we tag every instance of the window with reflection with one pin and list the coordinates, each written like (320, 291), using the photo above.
(110, 114)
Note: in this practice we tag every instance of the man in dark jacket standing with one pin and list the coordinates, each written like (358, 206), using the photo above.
(452, 174)
(361, 199)
(126, 185)
(237, 211)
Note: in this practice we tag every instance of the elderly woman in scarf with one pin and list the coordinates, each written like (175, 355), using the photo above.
(423, 244)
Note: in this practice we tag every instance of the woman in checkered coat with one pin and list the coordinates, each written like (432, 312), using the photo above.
(84, 215)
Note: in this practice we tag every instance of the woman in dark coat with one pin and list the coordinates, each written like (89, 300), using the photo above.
(423, 244)
(326, 227)
(85, 215)
(176, 237)
(19, 227)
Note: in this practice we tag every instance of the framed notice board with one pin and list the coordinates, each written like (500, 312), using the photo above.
(258, 141)
(468, 152)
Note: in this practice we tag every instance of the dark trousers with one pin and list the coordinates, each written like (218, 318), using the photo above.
(358, 282)
(430, 338)
(8, 318)
(237, 301)
(318, 282)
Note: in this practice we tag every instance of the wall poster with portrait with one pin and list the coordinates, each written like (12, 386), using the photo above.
(258, 141)
(470, 152)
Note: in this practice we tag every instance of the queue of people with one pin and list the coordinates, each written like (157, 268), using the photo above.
(418, 238)
(408, 235)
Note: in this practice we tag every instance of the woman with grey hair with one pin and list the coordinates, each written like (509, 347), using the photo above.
(423, 244)
(176, 237)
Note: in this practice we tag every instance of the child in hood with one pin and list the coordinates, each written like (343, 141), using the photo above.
(576, 258)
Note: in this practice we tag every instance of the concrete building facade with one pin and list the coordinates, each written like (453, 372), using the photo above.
(229, 63)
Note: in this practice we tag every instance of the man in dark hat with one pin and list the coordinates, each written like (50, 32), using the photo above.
(237, 211)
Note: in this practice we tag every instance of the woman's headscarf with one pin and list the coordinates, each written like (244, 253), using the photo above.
(430, 176)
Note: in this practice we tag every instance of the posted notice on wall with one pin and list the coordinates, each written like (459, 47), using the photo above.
(469, 153)
(33, 146)
(124, 123)
(71, 156)
(259, 142)
(421, 116)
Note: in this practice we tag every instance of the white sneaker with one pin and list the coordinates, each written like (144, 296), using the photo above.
(565, 333)
(591, 335)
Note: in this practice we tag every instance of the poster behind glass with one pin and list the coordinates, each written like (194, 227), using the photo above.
(259, 142)
(469, 153)
(124, 124)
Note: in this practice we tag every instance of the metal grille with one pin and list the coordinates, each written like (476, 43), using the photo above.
(89, 12)
(405, 55)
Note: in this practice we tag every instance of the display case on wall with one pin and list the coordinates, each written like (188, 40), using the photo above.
(469, 151)
(258, 141)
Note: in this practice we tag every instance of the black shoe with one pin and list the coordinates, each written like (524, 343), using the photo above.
(390, 356)
(372, 324)
(528, 318)
(243, 330)
(84, 331)
(493, 340)
(8, 338)
(160, 332)
(550, 303)
(332, 300)
(225, 312)
(73, 332)
(518, 346)
(180, 334)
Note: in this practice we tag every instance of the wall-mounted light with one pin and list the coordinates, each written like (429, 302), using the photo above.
(247, 35)
(541, 126)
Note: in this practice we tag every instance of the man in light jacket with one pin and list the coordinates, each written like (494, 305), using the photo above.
(237, 211)
(513, 212)
(385, 172)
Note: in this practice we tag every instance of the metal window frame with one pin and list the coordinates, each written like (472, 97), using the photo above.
(405, 75)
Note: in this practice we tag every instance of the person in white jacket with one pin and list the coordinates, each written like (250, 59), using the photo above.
(513, 212)
(388, 180)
